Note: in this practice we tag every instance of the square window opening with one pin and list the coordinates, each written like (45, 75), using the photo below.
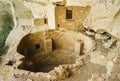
(37, 46)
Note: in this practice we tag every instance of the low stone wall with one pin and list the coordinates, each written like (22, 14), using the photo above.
(64, 39)
(31, 75)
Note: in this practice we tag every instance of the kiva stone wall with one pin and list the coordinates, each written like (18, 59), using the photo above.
(28, 44)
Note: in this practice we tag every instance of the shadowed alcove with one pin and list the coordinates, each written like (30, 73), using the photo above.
(36, 59)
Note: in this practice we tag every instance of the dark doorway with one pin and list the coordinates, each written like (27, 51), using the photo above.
(45, 21)
(68, 14)
(58, 25)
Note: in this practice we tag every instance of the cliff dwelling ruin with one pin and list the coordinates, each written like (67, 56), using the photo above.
(59, 40)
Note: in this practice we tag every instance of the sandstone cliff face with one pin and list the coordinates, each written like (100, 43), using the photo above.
(104, 16)
(4, 7)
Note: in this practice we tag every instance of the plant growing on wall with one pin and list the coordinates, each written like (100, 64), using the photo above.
(7, 25)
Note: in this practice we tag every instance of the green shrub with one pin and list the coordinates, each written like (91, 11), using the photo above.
(7, 25)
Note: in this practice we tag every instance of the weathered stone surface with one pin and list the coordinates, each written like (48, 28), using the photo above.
(28, 80)
(98, 58)
(95, 77)
(60, 73)
(48, 45)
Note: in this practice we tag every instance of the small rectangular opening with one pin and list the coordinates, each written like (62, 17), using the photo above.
(37, 46)
(45, 21)
(68, 14)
